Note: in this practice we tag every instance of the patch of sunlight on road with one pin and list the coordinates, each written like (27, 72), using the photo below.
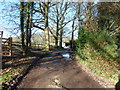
(55, 83)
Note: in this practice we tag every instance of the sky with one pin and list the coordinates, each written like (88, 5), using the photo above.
(5, 16)
(6, 34)
(4, 22)
(7, 27)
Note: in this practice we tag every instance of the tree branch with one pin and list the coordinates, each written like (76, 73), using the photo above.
(38, 27)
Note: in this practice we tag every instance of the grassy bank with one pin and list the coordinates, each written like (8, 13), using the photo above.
(97, 50)
(13, 67)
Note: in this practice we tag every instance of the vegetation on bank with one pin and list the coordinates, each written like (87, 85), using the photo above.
(13, 68)
(98, 51)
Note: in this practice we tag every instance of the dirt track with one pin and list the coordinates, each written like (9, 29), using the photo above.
(54, 71)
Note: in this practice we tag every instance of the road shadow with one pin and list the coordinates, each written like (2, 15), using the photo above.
(18, 62)
(38, 61)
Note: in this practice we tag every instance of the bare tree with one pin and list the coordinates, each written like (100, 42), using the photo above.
(44, 10)
(60, 11)
(22, 23)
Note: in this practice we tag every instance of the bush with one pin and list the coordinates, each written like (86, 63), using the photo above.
(98, 50)
(97, 42)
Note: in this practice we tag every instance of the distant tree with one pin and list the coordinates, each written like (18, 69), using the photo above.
(60, 12)
(44, 10)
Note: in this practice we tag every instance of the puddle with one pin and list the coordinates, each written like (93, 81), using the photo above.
(67, 56)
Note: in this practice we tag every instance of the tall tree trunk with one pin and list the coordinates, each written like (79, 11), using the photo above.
(72, 38)
(57, 30)
(61, 34)
(46, 26)
(22, 25)
(27, 27)
(57, 27)
(30, 22)
(79, 4)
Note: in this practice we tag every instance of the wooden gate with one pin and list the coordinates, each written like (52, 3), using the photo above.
(7, 46)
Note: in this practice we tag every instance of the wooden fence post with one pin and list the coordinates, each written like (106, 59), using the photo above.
(10, 45)
(1, 34)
